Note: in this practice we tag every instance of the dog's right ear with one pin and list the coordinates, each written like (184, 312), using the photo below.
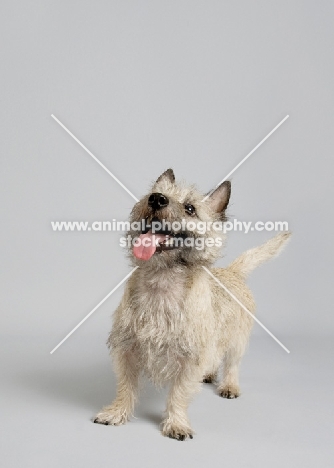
(167, 175)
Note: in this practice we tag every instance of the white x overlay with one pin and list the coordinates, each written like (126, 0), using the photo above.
(135, 198)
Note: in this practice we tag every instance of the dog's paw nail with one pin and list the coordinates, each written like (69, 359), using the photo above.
(179, 435)
(229, 394)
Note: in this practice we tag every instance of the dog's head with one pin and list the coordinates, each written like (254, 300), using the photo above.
(173, 225)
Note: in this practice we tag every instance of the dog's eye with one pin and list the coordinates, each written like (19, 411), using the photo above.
(190, 209)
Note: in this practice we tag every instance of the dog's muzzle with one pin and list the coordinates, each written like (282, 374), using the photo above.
(150, 243)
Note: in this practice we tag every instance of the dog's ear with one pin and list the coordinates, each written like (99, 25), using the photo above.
(220, 197)
(167, 175)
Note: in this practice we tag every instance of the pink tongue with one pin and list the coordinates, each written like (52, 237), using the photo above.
(145, 252)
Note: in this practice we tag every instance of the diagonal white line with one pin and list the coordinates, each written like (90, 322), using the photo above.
(94, 157)
(136, 199)
(245, 309)
(246, 157)
(95, 308)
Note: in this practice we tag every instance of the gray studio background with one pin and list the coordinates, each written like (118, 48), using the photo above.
(147, 85)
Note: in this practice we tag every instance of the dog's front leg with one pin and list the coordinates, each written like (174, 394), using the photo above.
(127, 373)
(185, 385)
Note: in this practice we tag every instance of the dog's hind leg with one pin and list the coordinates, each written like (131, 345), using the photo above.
(229, 387)
(127, 376)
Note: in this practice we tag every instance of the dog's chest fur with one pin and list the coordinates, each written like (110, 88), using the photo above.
(160, 324)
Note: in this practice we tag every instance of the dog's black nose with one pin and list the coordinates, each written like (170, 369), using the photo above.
(157, 201)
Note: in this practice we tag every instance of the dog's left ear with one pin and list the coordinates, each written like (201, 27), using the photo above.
(167, 175)
(220, 197)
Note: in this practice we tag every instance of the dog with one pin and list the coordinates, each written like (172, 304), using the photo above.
(175, 323)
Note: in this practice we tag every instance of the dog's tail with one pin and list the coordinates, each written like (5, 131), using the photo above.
(252, 258)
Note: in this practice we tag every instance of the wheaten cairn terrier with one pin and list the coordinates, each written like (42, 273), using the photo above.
(175, 324)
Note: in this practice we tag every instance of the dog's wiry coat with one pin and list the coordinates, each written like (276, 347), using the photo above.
(175, 323)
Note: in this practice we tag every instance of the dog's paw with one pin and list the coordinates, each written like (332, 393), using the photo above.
(111, 416)
(229, 392)
(179, 434)
(177, 431)
(209, 378)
